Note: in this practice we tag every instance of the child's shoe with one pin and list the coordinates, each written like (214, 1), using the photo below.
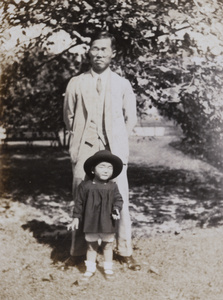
(90, 270)
(109, 274)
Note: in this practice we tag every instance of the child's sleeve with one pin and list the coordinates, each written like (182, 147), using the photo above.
(79, 202)
(118, 201)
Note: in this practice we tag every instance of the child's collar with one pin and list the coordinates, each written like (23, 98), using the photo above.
(98, 182)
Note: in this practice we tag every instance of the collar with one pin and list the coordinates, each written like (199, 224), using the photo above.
(103, 75)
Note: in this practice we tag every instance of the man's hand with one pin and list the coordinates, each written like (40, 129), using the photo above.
(74, 225)
(115, 214)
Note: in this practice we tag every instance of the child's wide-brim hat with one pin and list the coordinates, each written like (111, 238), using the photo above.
(103, 156)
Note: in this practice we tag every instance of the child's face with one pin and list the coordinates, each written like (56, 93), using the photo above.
(103, 171)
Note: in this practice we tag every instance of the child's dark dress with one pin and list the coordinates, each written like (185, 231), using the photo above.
(94, 205)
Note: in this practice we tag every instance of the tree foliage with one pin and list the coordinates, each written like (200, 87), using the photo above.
(171, 51)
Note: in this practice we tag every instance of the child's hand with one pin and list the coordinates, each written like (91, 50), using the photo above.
(74, 225)
(115, 214)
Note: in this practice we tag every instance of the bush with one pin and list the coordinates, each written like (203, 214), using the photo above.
(195, 103)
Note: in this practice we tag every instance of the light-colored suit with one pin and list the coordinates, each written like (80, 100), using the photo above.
(119, 117)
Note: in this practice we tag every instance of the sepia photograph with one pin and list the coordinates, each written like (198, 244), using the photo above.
(111, 150)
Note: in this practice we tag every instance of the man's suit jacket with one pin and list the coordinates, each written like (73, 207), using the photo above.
(119, 113)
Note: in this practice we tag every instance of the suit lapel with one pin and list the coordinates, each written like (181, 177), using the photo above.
(86, 90)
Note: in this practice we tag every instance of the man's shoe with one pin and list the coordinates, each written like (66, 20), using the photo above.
(131, 263)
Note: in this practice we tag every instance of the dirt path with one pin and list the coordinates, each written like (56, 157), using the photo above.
(157, 151)
(180, 259)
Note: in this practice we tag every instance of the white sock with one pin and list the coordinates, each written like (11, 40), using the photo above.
(90, 266)
(108, 267)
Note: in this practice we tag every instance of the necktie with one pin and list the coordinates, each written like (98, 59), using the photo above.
(99, 86)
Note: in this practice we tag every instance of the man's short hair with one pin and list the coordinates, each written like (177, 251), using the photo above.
(99, 35)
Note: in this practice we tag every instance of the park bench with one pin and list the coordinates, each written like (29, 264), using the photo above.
(28, 136)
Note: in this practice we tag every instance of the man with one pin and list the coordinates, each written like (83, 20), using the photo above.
(100, 113)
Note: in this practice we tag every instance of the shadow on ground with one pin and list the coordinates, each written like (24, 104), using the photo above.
(41, 177)
(32, 171)
(164, 195)
(55, 236)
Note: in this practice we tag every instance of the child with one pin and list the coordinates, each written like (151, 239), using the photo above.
(98, 205)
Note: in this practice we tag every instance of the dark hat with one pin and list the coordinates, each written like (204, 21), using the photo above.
(103, 156)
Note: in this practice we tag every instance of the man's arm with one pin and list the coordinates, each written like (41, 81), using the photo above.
(129, 107)
(69, 104)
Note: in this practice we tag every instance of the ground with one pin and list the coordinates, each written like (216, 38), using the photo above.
(176, 205)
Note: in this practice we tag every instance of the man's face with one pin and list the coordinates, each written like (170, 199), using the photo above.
(101, 54)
